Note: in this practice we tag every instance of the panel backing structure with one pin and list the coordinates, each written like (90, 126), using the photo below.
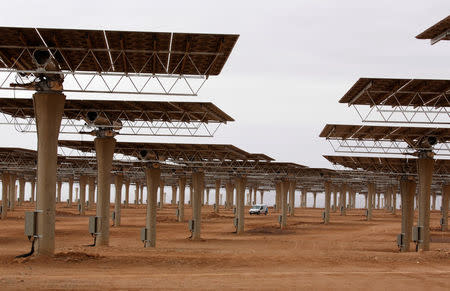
(386, 139)
(420, 101)
(125, 62)
(142, 118)
(437, 32)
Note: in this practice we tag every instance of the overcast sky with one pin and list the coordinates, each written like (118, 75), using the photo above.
(292, 62)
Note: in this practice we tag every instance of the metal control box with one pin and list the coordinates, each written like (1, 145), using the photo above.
(191, 225)
(324, 215)
(93, 224)
(417, 234)
(401, 240)
(143, 234)
(31, 223)
(113, 215)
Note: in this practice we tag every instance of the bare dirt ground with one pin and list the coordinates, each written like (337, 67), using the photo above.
(350, 253)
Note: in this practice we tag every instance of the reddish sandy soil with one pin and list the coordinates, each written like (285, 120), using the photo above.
(350, 253)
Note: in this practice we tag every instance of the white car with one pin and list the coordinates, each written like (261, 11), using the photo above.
(259, 209)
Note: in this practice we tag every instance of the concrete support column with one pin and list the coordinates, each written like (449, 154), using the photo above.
(425, 173)
(327, 202)
(335, 190)
(173, 201)
(48, 108)
(292, 185)
(284, 204)
(343, 199)
(153, 176)
(387, 199)
(433, 200)
(33, 190)
(228, 194)
(182, 184)
(445, 197)
(366, 201)
(207, 196)
(217, 196)
(5, 183)
(191, 192)
(82, 183)
(198, 183)
(12, 192)
(141, 194)
(315, 199)
(21, 190)
(305, 198)
(127, 193)
(370, 195)
(118, 183)
(240, 193)
(277, 196)
(261, 192)
(58, 186)
(394, 200)
(91, 196)
(161, 193)
(104, 147)
(136, 194)
(70, 191)
(407, 191)
(255, 189)
(351, 198)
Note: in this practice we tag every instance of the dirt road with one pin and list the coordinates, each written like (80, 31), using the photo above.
(350, 253)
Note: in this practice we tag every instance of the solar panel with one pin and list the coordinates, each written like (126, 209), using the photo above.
(387, 164)
(437, 32)
(105, 61)
(387, 139)
(151, 118)
(398, 92)
(119, 51)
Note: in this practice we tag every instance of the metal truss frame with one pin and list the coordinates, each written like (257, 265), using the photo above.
(156, 127)
(371, 146)
(107, 80)
(427, 114)
(13, 162)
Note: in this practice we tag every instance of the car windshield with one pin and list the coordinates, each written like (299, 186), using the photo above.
(255, 207)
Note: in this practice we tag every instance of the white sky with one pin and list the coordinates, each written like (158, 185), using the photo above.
(292, 63)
